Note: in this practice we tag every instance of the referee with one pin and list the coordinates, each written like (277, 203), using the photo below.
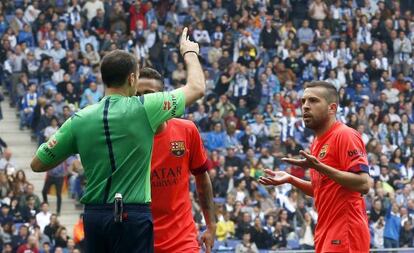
(114, 139)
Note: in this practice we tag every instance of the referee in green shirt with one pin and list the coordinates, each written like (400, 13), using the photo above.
(114, 139)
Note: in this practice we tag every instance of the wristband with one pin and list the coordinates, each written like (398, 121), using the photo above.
(190, 52)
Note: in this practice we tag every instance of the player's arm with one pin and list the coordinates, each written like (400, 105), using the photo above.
(303, 185)
(358, 182)
(199, 165)
(59, 147)
(355, 179)
(281, 177)
(196, 83)
(354, 171)
(205, 195)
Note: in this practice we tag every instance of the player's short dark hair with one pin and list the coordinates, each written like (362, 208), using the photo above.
(116, 66)
(150, 73)
(331, 94)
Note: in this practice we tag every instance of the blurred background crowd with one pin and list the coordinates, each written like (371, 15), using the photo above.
(257, 56)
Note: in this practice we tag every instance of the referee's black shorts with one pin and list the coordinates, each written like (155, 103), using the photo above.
(133, 235)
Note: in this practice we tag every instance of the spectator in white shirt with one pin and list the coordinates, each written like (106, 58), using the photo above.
(91, 7)
(57, 53)
(43, 217)
(201, 35)
(390, 92)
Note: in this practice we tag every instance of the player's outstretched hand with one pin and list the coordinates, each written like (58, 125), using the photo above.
(275, 177)
(309, 161)
(186, 44)
(207, 240)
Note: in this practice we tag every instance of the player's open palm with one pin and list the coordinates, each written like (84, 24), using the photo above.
(309, 161)
(186, 44)
(275, 177)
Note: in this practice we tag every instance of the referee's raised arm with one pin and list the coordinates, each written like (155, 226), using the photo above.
(196, 83)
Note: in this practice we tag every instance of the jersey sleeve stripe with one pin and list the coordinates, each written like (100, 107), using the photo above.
(200, 170)
(359, 168)
(110, 150)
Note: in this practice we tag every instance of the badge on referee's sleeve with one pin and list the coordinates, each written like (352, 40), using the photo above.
(52, 143)
(178, 148)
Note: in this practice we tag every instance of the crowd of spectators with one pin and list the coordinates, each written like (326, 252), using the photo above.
(257, 56)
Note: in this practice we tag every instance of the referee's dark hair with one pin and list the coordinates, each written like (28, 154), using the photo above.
(150, 73)
(116, 66)
(331, 94)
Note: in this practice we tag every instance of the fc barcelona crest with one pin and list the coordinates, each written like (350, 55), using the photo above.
(323, 151)
(178, 148)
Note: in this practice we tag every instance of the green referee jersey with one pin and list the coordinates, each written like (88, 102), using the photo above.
(114, 139)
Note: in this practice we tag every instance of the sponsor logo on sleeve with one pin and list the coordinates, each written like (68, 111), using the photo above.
(355, 153)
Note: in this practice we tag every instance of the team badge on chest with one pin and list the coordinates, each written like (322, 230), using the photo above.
(177, 148)
(323, 151)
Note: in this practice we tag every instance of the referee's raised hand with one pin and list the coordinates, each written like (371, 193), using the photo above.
(186, 45)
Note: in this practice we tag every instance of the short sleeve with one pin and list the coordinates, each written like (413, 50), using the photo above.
(162, 106)
(198, 158)
(352, 153)
(60, 145)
